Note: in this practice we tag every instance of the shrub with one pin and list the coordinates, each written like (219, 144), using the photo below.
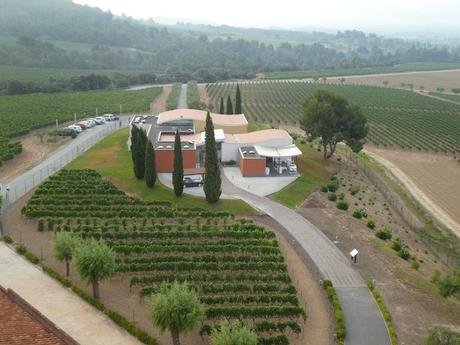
(7, 239)
(438, 335)
(384, 234)
(32, 257)
(341, 196)
(357, 214)
(20, 249)
(397, 244)
(342, 205)
(338, 312)
(371, 224)
(332, 196)
(333, 186)
(404, 253)
(324, 189)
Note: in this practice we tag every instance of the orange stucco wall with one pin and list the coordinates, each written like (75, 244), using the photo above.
(164, 160)
(252, 166)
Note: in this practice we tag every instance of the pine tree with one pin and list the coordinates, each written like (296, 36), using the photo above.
(150, 169)
(178, 173)
(212, 181)
(238, 109)
(229, 106)
(222, 110)
(140, 145)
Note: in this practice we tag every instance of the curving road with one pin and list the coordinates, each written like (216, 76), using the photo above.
(363, 320)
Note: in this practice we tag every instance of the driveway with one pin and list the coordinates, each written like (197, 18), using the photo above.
(365, 324)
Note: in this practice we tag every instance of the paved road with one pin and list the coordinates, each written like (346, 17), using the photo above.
(182, 102)
(365, 325)
(77, 318)
(22, 184)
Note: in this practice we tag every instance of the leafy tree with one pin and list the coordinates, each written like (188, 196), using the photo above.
(385, 82)
(95, 261)
(233, 333)
(134, 145)
(329, 117)
(229, 109)
(448, 285)
(212, 180)
(141, 144)
(238, 109)
(150, 169)
(221, 108)
(176, 308)
(64, 246)
(178, 173)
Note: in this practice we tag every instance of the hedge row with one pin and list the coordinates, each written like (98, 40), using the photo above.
(338, 312)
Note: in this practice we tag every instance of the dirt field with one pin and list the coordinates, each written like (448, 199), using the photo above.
(117, 295)
(434, 180)
(33, 152)
(159, 104)
(412, 299)
(430, 80)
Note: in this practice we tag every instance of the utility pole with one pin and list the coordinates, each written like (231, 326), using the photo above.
(121, 108)
(97, 113)
(74, 117)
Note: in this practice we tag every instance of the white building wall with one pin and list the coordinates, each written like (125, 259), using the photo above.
(230, 150)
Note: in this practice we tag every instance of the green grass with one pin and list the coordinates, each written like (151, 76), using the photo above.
(20, 113)
(39, 74)
(112, 159)
(253, 126)
(312, 169)
(336, 72)
(455, 98)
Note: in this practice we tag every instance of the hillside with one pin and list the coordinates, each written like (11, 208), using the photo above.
(61, 34)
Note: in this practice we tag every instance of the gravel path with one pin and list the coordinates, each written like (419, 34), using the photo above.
(182, 102)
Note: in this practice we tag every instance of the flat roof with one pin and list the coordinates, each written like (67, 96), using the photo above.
(200, 115)
(284, 151)
(249, 152)
(257, 136)
(160, 145)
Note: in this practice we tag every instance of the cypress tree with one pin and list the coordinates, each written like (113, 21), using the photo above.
(212, 181)
(222, 110)
(229, 106)
(141, 142)
(178, 173)
(238, 109)
(150, 169)
(134, 145)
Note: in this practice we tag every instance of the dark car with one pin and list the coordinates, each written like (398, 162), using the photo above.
(192, 182)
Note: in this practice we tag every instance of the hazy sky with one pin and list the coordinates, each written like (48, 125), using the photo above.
(428, 16)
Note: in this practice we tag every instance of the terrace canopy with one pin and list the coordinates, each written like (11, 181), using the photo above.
(285, 151)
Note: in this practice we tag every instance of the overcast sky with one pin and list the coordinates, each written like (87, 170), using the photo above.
(427, 16)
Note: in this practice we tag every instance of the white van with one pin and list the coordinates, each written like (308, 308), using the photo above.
(109, 117)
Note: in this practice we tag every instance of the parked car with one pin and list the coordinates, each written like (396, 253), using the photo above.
(66, 132)
(76, 128)
(90, 123)
(137, 119)
(109, 117)
(96, 122)
(101, 119)
(192, 182)
(83, 125)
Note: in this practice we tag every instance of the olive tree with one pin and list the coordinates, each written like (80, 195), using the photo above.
(177, 308)
(95, 261)
(64, 246)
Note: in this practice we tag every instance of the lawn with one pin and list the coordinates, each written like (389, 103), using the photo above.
(313, 173)
(112, 159)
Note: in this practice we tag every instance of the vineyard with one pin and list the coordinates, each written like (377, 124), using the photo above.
(396, 117)
(173, 97)
(8, 149)
(235, 265)
(193, 96)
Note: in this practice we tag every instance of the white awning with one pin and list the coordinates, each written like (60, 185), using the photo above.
(285, 151)
(218, 135)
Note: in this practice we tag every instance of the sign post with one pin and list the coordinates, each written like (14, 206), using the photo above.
(354, 255)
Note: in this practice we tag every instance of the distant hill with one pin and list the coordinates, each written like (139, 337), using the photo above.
(62, 34)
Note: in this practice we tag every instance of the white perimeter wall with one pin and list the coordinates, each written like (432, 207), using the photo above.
(230, 150)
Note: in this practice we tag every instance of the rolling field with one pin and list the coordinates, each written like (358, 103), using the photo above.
(455, 98)
(21, 113)
(397, 118)
(37, 74)
(236, 265)
(337, 72)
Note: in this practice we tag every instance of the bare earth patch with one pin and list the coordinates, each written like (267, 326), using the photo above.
(159, 103)
(33, 152)
(433, 180)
